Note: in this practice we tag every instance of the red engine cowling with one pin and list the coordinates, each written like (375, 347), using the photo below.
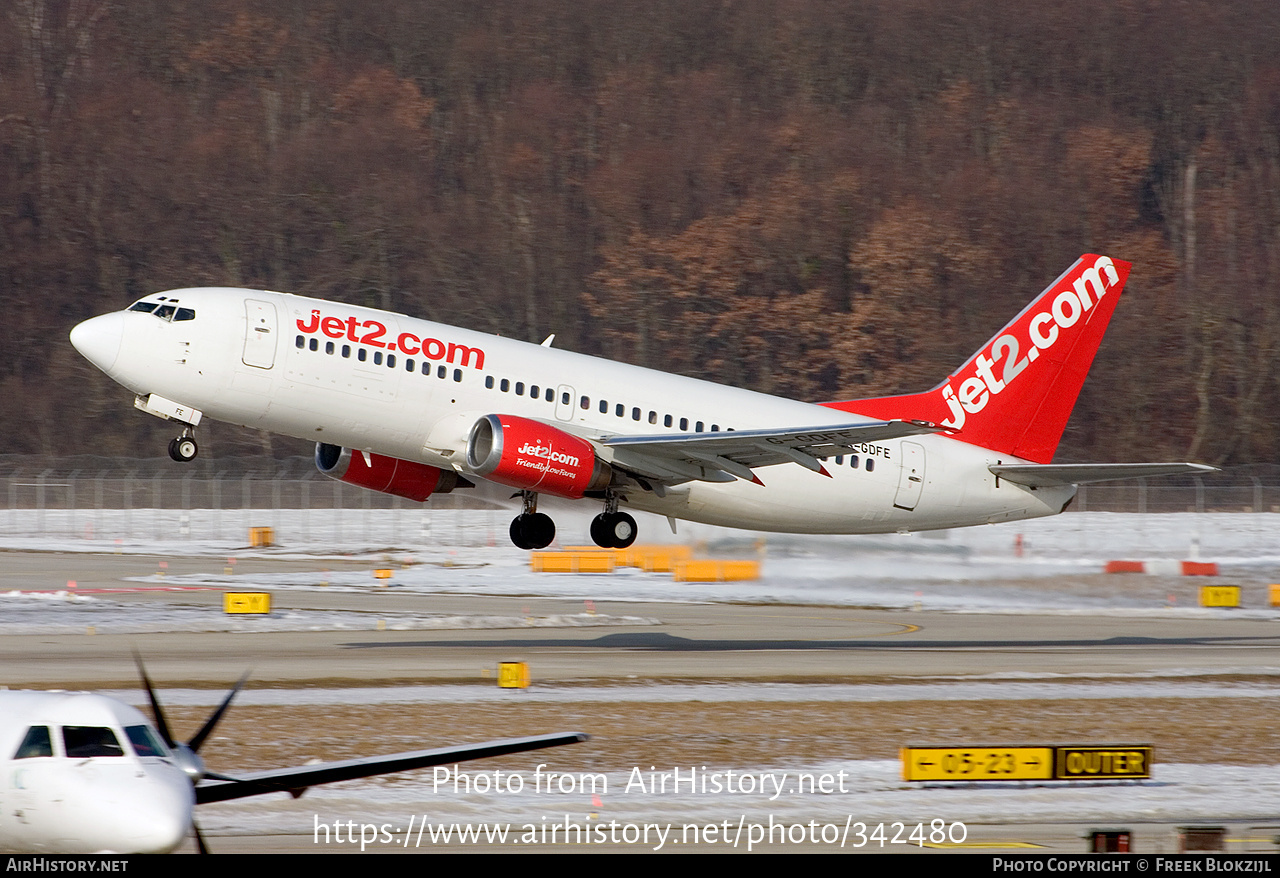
(534, 456)
(390, 475)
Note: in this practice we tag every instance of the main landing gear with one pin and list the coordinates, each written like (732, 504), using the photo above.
(184, 449)
(531, 529)
(612, 529)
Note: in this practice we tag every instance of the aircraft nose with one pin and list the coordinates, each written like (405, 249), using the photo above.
(98, 339)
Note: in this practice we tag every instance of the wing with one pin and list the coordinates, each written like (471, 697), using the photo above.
(723, 457)
(296, 780)
(1035, 475)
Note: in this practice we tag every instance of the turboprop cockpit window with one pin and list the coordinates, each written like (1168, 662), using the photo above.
(144, 741)
(36, 743)
(82, 742)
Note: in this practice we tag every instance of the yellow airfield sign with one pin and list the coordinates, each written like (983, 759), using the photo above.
(1091, 762)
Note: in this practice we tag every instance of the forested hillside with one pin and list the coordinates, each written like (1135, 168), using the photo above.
(820, 198)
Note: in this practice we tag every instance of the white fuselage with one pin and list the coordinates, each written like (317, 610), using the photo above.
(75, 778)
(412, 389)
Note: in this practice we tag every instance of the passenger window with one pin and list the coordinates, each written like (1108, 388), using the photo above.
(564, 398)
(839, 460)
(314, 345)
(346, 351)
(408, 365)
(604, 407)
(585, 403)
(504, 385)
(534, 393)
(715, 428)
(82, 742)
(36, 743)
(391, 361)
(551, 395)
(488, 381)
(441, 371)
(457, 375)
(684, 424)
(666, 420)
(362, 355)
(299, 342)
(653, 417)
(871, 464)
(635, 414)
(519, 388)
(377, 358)
(328, 347)
(620, 410)
(853, 461)
(698, 428)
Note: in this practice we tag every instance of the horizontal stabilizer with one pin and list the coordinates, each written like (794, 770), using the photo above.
(1035, 475)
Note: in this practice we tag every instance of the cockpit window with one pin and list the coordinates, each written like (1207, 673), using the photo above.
(36, 743)
(144, 741)
(85, 741)
(169, 312)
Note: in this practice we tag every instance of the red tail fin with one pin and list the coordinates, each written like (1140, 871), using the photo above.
(1016, 393)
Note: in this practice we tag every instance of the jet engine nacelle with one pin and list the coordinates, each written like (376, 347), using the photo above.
(534, 456)
(389, 475)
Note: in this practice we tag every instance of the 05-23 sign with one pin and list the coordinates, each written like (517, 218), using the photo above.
(1109, 762)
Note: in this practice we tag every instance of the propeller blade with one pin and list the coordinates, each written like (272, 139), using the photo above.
(200, 845)
(161, 725)
(212, 721)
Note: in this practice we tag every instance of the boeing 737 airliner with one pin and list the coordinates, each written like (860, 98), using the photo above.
(413, 408)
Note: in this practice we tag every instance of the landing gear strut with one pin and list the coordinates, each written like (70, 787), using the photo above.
(184, 449)
(612, 529)
(531, 529)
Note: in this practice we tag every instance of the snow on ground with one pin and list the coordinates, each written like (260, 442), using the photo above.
(977, 570)
(873, 792)
(972, 570)
(1046, 688)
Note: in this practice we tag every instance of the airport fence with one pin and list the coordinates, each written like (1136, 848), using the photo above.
(102, 498)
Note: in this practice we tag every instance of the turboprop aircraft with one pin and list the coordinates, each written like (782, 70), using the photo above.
(85, 773)
(412, 408)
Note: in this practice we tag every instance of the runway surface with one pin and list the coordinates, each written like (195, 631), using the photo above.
(663, 684)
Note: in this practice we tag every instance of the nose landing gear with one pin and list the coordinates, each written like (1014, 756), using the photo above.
(184, 449)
